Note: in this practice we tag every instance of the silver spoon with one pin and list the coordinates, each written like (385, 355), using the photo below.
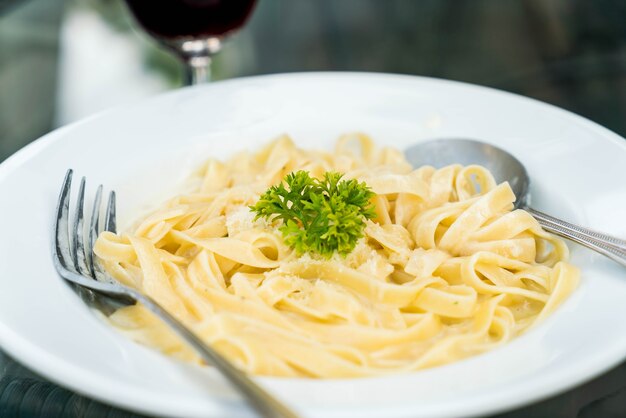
(505, 167)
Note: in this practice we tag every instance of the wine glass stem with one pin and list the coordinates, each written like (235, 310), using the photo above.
(198, 69)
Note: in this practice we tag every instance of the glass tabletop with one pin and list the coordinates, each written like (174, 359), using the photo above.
(571, 53)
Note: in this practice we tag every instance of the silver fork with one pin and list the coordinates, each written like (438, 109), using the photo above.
(74, 261)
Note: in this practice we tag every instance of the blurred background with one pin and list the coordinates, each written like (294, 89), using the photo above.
(61, 60)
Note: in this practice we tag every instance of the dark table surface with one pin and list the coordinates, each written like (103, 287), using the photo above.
(571, 53)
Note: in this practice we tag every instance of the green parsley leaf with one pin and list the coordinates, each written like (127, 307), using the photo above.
(318, 216)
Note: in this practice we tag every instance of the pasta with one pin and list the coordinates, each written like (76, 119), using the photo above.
(447, 269)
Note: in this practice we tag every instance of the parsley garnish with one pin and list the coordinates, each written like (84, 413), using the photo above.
(318, 216)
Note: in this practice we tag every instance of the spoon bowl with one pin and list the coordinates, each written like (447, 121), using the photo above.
(505, 167)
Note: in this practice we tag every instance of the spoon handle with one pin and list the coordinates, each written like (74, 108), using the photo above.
(612, 247)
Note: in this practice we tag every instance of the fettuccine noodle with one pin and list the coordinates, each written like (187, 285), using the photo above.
(446, 270)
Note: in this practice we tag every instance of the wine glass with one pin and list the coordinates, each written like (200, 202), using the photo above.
(193, 29)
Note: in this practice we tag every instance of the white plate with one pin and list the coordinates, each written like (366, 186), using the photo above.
(144, 150)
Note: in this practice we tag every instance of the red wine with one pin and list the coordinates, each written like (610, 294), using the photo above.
(191, 18)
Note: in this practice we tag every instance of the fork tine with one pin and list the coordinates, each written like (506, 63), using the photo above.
(109, 225)
(61, 230)
(110, 220)
(78, 238)
(94, 230)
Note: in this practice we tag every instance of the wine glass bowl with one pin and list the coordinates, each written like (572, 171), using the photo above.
(193, 29)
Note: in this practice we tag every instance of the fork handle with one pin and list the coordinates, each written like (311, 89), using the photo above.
(264, 403)
(607, 245)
